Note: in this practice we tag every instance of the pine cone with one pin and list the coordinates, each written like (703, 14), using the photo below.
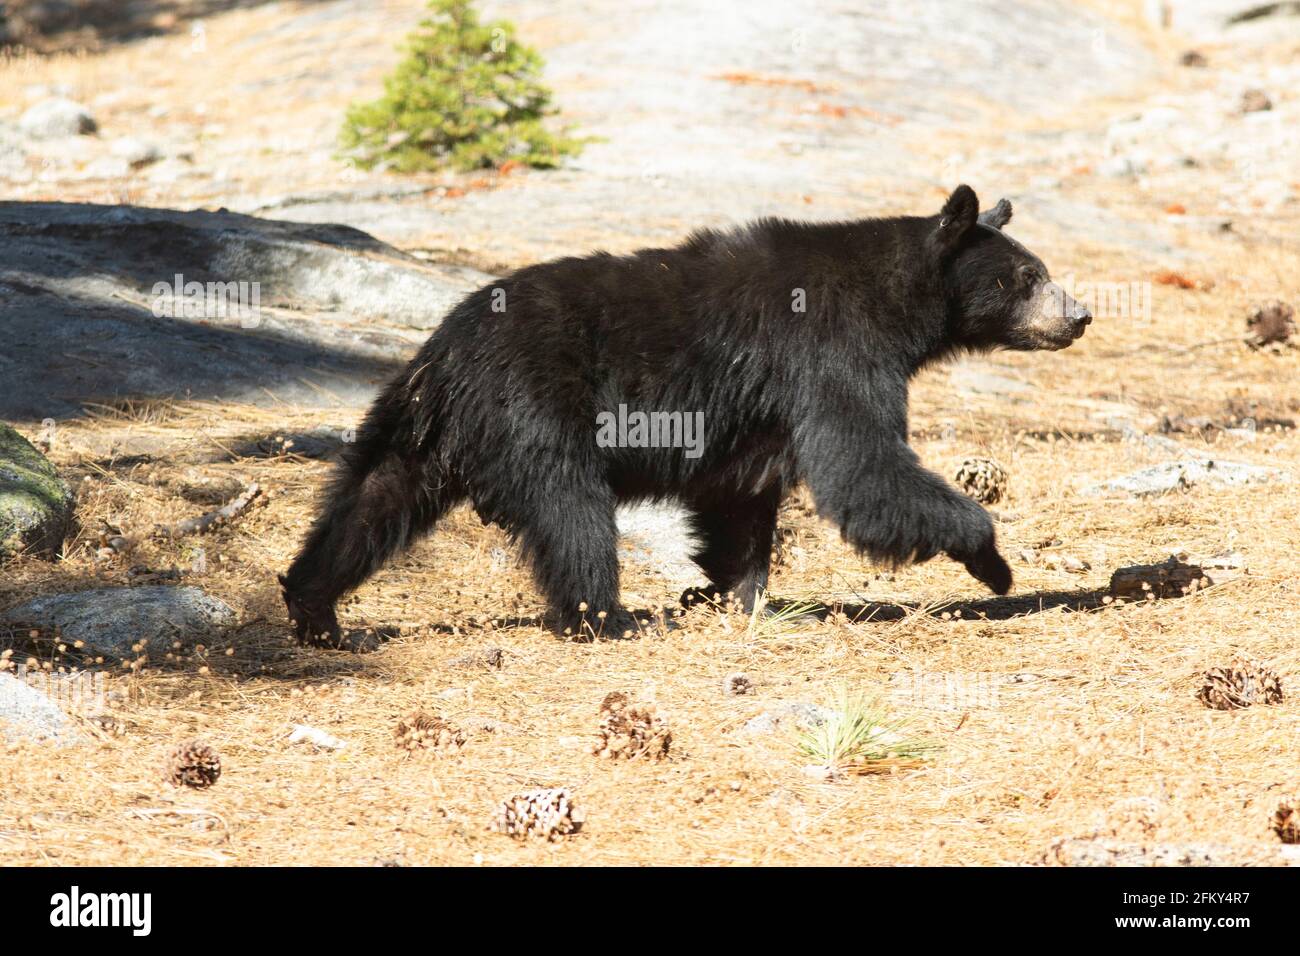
(982, 479)
(1240, 684)
(737, 685)
(629, 730)
(547, 814)
(193, 764)
(1286, 821)
(1274, 322)
(426, 731)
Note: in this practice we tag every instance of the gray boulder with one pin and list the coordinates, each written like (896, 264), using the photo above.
(280, 312)
(36, 505)
(56, 116)
(1186, 473)
(112, 621)
(135, 152)
(330, 268)
(659, 537)
(791, 714)
(28, 714)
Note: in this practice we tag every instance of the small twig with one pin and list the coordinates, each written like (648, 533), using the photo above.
(150, 813)
(105, 473)
(232, 454)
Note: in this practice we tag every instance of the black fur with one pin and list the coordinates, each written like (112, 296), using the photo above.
(500, 407)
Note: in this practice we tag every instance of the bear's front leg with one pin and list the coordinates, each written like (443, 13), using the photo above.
(314, 625)
(872, 485)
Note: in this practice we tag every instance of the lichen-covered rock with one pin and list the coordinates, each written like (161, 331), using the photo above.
(35, 503)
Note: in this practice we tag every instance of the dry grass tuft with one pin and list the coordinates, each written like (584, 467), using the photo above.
(857, 735)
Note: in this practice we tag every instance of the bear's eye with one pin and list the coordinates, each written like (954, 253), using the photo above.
(1028, 275)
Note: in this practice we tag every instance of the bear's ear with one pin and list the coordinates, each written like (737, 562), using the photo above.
(958, 216)
(998, 216)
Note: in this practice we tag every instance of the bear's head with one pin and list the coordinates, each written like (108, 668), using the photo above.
(999, 293)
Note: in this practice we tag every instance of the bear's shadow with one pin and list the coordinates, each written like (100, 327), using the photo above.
(880, 612)
(983, 609)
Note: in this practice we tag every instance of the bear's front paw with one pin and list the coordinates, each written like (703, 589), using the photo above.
(990, 569)
(314, 625)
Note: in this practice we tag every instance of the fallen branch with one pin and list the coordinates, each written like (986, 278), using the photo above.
(885, 765)
(212, 519)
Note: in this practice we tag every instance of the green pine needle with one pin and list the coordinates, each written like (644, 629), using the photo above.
(859, 734)
(763, 625)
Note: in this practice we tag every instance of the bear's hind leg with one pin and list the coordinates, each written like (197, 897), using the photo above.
(571, 542)
(735, 547)
(373, 510)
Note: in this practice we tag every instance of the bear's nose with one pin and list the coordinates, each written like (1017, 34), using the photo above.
(1080, 318)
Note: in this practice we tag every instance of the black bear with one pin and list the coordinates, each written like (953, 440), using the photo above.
(789, 344)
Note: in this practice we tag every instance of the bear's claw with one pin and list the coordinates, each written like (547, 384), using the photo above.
(990, 569)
